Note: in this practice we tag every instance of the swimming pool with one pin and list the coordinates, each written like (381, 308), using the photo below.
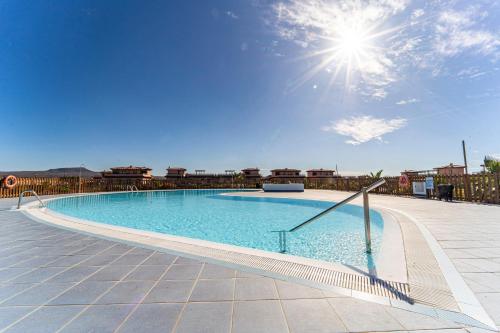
(236, 220)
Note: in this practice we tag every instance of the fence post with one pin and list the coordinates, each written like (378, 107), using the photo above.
(467, 188)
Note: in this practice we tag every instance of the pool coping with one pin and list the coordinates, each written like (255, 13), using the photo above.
(472, 313)
(464, 296)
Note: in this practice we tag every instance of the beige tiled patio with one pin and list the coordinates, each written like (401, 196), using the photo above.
(469, 233)
(54, 280)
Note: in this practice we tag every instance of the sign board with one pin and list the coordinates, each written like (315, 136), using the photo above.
(404, 181)
(429, 183)
(419, 188)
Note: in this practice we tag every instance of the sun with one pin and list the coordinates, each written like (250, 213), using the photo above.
(351, 45)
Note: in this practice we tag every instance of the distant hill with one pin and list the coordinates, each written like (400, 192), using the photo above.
(59, 172)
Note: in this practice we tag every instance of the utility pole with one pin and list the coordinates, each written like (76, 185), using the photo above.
(80, 178)
(465, 157)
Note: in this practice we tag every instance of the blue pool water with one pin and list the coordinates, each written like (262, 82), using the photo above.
(237, 220)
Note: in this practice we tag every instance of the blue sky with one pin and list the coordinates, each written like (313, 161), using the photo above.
(215, 85)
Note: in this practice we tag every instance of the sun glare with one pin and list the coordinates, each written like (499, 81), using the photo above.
(351, 42)
(351, 45)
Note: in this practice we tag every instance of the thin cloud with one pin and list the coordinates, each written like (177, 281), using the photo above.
(407, 101)
(458, 31)
(417, 13)
(471, 73)
(402, 39)
(365, 128)
(232, 15)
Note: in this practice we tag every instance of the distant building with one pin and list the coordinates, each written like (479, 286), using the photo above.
(128, 172)
(320, 173)
(251, 172)
(451, 170)
(175, 172)
(285, 176)
(320, 176)
(410, 173)
(285, 173)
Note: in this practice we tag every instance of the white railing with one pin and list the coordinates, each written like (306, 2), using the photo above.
(366, 209)
(21, 196)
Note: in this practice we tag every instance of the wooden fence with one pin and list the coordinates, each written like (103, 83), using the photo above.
(476, 188)
(67, 185)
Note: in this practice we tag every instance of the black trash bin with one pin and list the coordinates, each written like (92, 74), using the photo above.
(445, 191)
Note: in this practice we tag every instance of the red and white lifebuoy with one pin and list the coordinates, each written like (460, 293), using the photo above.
(9, 182)
(404, 181)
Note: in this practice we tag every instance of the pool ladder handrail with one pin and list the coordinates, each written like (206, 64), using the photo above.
(366, 209)
(21, 196)
(132, 188)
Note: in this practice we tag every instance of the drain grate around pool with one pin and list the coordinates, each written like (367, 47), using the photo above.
(317, 275)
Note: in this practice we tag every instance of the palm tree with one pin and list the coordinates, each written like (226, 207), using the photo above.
(377, 175)
(492, 164)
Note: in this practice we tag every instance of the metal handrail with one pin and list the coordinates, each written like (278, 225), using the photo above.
(132, 188)
(364, 191)
(21, 196)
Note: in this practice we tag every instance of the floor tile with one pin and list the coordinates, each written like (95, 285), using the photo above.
(456, 330)
(47, 319)
(312, 315)
(94, 249)
(14, 261)
(417, 321)
(117, 249)
(182, 272)
(186, 261)
(9, 315)
(39, 294)
(213, 290)
(9, 290)
(38, 275)
(147, 272)
(170, 291)
(211, 271)
(205, 318)
(126, 292)
(241, 274)
(83, 293)
(111, 273)
(37, 261)
(140, 250)
(152, 318)
(258, 316)
(363, 316)
(483, 282)
(7, 274)
(100, 260)
(75, 274)
(254, 289)
(289, 290)
(130, 259)
(160, 258)
(68, 261)
(491, 303)
(99, 319)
